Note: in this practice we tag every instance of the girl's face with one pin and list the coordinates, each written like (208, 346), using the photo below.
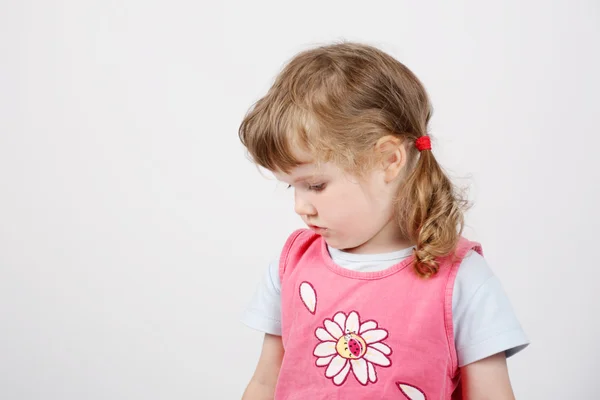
(352, 214)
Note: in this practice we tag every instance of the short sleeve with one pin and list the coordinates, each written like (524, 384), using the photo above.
(484, 320)
(264, 310)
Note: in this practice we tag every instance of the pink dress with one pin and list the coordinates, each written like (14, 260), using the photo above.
(365, 335)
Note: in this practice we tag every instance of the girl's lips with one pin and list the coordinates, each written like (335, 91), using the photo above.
(317, 229)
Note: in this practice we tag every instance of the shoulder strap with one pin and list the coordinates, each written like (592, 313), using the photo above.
(462, 249)
(294, 247)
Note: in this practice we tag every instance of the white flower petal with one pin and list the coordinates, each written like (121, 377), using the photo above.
(372, 373)
(308, 296)
(377, 357)
(352, 323)
(374, 335)
(382, 348)
(411, 392)
(323, 361)
(337, 364)
(359, 367)
(340, 319)
(341, 377)
(323, 335)
(325, 349)
(368, 326)
(334, 329)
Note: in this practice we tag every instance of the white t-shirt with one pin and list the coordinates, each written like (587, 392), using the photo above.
(484, 321)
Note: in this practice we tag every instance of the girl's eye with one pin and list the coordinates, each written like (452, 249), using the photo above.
(313, 188)
(317, 188)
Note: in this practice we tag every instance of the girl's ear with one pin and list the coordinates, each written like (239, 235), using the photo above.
(392, 153)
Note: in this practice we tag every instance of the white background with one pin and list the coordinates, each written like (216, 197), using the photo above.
(133, 230)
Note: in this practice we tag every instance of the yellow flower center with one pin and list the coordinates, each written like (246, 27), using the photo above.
(351, 346)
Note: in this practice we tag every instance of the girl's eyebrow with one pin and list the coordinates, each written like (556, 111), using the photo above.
(307, 177)
(300, 179)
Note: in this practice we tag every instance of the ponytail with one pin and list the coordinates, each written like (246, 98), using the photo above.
(430, 214)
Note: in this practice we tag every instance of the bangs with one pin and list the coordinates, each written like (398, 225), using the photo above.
(276, 132)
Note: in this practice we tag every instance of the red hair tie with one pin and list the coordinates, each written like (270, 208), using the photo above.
(423, 143)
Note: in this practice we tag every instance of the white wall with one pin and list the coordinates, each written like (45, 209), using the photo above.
(133, 230)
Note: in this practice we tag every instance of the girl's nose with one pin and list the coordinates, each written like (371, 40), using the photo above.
(303, 207)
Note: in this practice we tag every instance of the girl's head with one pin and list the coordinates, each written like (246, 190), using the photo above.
(339, 125)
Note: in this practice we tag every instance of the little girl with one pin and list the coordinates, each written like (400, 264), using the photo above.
(380, 297)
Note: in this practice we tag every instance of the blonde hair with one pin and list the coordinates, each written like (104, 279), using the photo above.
(335, 102)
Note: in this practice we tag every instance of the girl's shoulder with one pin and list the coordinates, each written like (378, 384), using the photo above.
(484, 320)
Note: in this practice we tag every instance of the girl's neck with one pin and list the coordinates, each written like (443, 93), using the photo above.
(387, 240)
